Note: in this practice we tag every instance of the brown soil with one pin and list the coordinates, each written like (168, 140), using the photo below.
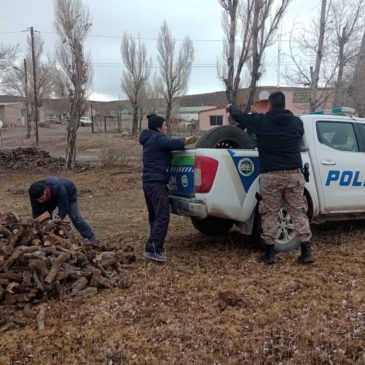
(213, 302)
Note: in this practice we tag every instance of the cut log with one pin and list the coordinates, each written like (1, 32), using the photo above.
(48, 227)
(16, 254)
(78, 285)
(17, 233)
(40, 318)
(56, 266)
(42, 218)
(4, 231)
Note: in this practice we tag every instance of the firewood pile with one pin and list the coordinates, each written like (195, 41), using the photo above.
(31, 158)
(41, 259)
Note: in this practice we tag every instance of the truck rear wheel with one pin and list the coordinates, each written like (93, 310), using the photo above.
(226, 136)
(286, 239)
(212, 226)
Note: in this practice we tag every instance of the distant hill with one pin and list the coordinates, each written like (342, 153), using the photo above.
(105, 107)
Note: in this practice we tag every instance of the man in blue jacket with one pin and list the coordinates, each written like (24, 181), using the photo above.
(57, 192)
(279, 134)
(157, 156)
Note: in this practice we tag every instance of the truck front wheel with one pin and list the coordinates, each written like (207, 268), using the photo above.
(212, 226)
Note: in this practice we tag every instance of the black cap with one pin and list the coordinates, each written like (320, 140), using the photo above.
(154, 121)
(36, 190)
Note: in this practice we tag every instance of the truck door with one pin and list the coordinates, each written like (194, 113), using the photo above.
(340, 155)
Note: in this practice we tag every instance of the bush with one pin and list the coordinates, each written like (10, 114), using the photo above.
(114, 157)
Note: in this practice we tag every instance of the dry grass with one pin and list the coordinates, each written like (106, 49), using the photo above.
(212, 303)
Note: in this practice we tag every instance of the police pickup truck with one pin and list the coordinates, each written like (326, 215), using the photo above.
(216, 183)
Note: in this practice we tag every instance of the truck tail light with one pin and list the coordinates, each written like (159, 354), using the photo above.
(204, 173)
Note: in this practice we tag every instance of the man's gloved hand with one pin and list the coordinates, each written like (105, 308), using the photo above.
(57, 218)
(190, 140)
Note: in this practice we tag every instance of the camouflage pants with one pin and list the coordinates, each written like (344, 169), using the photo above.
(280, 188)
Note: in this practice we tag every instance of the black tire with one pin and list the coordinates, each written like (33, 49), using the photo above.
(212, 226)
(226, 136)
(286, 235)
(285, 225)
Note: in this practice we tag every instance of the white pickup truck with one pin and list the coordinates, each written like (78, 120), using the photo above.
(216, 183)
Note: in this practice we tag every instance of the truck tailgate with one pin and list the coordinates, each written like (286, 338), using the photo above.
(182, 173)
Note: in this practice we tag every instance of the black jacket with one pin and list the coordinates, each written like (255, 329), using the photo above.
(63, 192)
(278, 134)
(157, 155)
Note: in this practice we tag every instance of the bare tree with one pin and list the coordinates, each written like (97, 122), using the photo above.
(135, 75)
(357, 89)
(8, 56)
(174, 70)
(306, 46)
(72, 24)
(19, 80)
(236, 20)
(345, 29)
(151, 100)
(264, 25)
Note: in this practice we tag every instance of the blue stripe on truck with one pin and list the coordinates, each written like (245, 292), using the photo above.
(248, 168)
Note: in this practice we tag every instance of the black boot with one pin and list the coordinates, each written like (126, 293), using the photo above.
(306, 256)
(269, 256)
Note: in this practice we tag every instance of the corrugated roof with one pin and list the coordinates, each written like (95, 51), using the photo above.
(194, 109)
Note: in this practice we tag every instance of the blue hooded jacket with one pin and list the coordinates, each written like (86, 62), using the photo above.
(63, 192)
(157, 155)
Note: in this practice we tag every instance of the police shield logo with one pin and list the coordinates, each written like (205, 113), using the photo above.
(246, 167)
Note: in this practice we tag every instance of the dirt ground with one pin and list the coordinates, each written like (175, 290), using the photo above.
(213, 302)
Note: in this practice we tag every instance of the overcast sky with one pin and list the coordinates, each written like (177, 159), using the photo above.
(198, 19)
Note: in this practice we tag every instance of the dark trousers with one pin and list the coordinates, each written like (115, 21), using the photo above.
(79, 222)
(157, 201)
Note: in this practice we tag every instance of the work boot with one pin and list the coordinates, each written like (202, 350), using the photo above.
(269, 256)
(306, 256)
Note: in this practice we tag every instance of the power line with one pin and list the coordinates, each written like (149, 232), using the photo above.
(19, 31)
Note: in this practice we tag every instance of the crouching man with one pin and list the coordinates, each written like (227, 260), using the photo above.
(57, 192)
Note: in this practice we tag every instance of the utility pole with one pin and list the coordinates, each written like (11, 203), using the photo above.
(35, 90)
(26, 98)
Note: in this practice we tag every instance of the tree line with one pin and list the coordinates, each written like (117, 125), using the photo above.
(329, 54)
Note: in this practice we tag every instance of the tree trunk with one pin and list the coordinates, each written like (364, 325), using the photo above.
(135, 120)
(168, 111)
(71, 148)
(341, 66)
(358, 89)
(255, 57)
(231, 51)
(319, 56)
(252, 89)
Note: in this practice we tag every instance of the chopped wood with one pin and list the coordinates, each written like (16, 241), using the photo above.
(4, 231)
(78, 285)
(56, 267)
(42, 218)
(15, 236)
(40, 318)
(41, 259)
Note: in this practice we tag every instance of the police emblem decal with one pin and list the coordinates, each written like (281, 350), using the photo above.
(246, 167)
(184, 181)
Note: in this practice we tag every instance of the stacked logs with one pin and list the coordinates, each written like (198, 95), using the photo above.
(41, 259)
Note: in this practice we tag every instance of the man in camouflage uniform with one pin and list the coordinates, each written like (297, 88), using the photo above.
(278, 134)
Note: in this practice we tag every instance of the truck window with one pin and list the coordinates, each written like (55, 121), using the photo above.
(340, 136)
